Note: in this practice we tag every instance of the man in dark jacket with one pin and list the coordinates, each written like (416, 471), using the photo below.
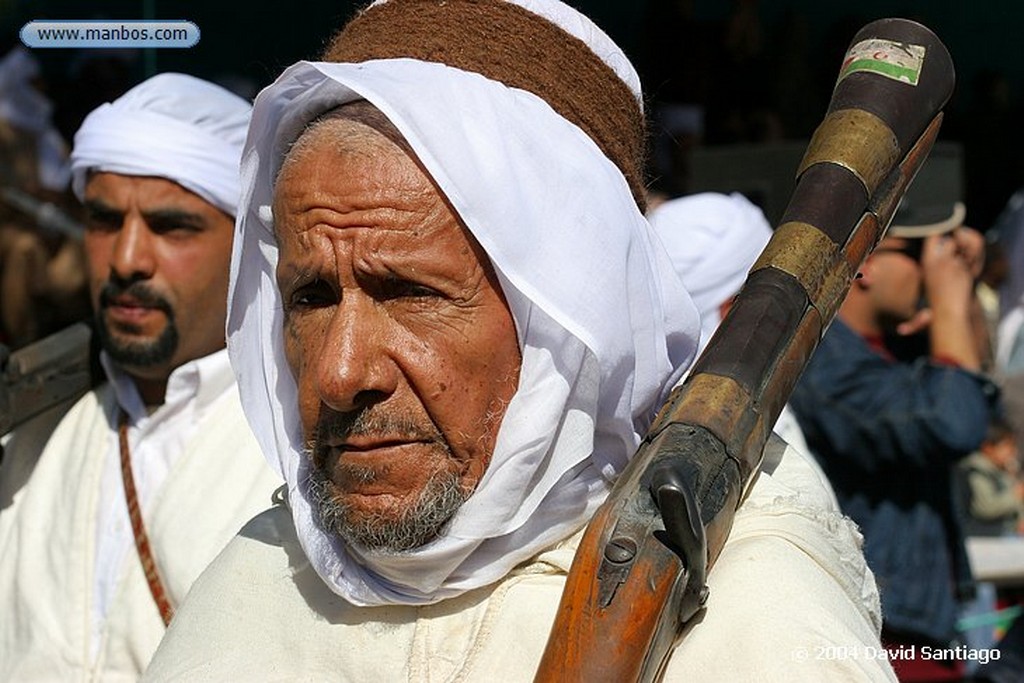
(888, 430)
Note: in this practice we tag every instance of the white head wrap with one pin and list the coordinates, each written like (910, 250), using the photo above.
(173, 126)
(604, 325)
(713, 240)
(26, 108)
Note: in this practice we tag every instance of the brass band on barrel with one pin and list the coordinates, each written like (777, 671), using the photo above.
(830, 297)
(788, 251)
(717, 402)
(858, 141)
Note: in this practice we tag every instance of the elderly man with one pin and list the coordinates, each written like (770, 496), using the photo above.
(451, 325)
(113, 506)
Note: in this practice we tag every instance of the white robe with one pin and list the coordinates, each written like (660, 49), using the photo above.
(791, 600)
(48, 502)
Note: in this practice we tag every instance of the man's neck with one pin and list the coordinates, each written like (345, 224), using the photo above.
(152, 391)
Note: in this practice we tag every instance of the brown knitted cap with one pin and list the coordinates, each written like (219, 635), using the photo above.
(511, 45)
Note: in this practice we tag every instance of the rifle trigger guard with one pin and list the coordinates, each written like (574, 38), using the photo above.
(685, 534)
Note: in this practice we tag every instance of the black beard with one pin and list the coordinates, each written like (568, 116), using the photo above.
(140, 354)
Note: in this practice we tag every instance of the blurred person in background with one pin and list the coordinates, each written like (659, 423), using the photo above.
(1008, 279)
(993, 493)
(991, 503)
(888, 431)
(42, 265)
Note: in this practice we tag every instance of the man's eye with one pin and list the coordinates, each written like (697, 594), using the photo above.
(169, 226)
(314, 295)
(100, 222)
(397, 288)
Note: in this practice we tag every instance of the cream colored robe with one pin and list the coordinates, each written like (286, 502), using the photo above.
(790, 584)
(48, 491)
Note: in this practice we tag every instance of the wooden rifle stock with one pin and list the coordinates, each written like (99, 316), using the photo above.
(640, 570)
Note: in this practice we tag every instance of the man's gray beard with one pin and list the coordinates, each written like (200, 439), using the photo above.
(419, 524)
(138, 354)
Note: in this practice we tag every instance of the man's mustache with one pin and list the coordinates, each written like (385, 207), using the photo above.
(334, 427)
(139, 291)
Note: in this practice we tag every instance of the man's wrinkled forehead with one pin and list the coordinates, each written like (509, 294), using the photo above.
(366, 124)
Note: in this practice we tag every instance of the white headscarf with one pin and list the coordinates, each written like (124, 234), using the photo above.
(173, 126)
(604, 325)
(29, 110)
(713, 239)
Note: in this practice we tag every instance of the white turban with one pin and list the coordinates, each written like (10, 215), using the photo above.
(713, 240)
(23, 106)
(604, 325)
(173, 126)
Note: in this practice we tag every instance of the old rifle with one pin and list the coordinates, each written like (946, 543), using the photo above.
(640, 570)
(44, 374)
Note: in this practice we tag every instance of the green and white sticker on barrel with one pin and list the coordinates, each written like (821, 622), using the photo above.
(898, 61)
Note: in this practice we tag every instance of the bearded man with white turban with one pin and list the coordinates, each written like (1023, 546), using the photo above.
(451, 325)
(111, 507)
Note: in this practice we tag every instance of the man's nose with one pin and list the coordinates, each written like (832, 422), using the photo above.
(354, 368)
(133, 256)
